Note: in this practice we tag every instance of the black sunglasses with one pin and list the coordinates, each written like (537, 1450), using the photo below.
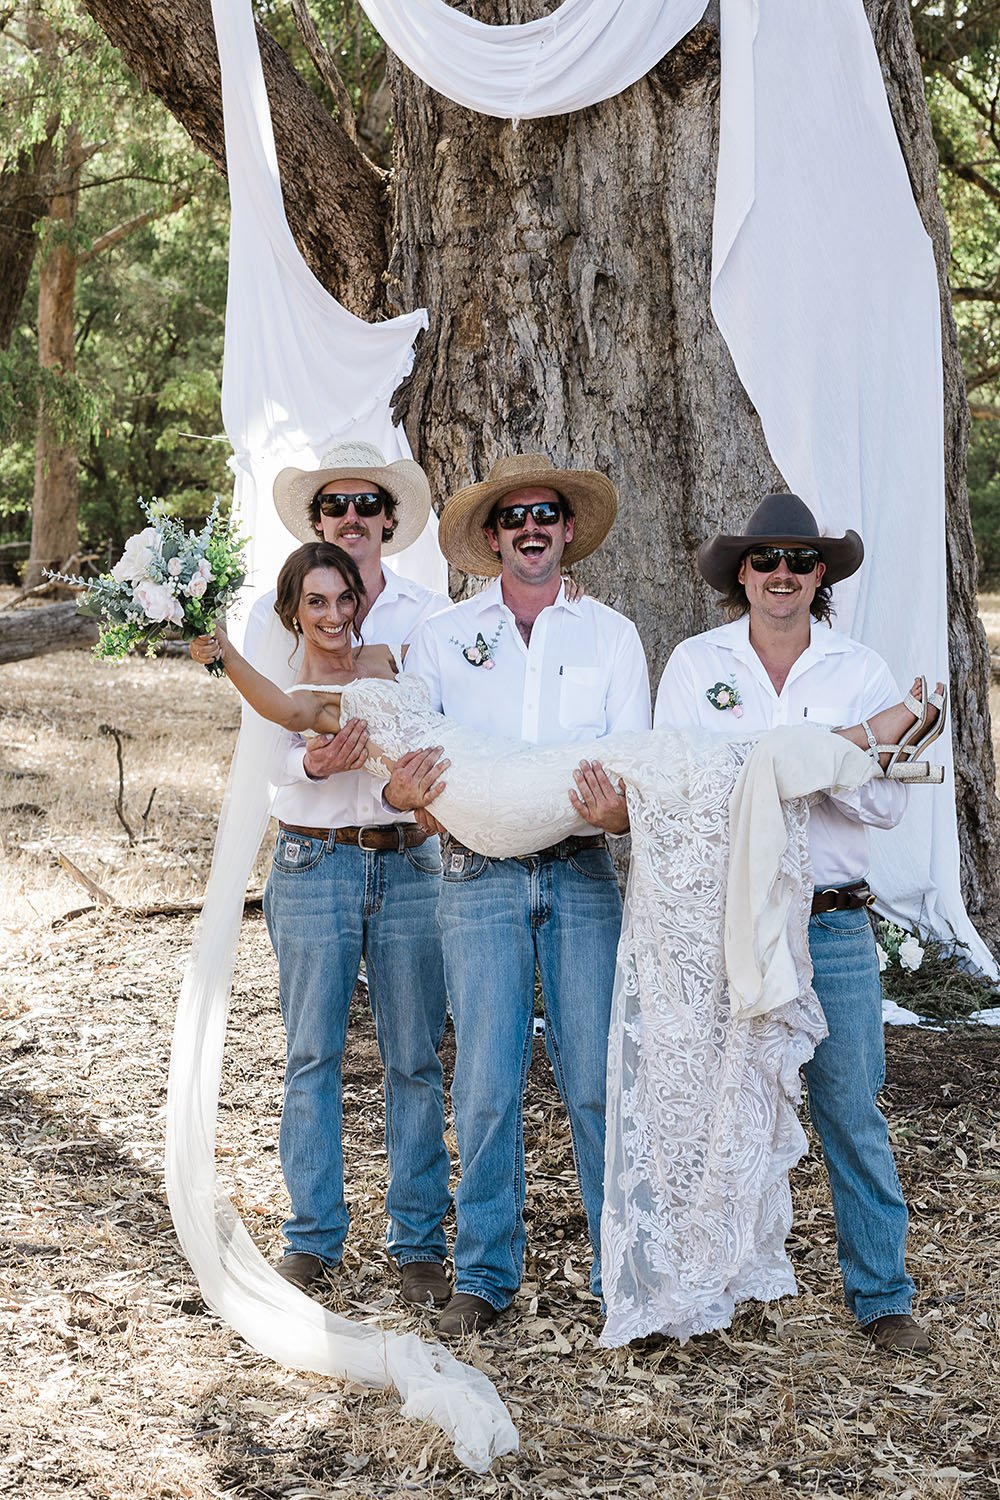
(799, 559)
(336, 505)
(544, 513)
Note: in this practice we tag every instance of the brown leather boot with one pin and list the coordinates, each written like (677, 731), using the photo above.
(898, 1333)
(424, 1283)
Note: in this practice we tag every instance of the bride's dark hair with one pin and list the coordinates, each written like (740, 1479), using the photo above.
(302, 561)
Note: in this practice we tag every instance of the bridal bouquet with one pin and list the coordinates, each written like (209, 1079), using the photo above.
(167, 580)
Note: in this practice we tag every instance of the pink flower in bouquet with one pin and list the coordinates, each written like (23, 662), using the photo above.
(157, 602)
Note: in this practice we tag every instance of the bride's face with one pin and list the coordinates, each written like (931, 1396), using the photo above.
(327, 606)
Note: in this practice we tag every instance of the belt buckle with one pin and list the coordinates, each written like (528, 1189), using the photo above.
(368, 848)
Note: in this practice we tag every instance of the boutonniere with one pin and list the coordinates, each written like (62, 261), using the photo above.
(481, 654)
(726, 696)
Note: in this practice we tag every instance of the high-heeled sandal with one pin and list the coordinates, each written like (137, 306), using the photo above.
(904, 758)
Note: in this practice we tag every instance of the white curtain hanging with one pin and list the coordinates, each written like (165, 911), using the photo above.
(299, 371)
(585, 51)
(825, 290)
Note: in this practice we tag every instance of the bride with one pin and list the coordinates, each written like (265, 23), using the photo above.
(714, 1012)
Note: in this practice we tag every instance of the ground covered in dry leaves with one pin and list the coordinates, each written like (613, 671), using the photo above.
(117, 1382)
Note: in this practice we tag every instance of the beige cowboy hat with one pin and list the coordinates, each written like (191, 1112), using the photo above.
(779, 520)
(590, 495)
(404, 480)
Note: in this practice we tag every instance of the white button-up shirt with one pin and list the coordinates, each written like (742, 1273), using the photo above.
(347, 798)
(582, 674)
(836, 681)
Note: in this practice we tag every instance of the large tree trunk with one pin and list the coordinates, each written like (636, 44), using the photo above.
(55, 508)
(565, 264)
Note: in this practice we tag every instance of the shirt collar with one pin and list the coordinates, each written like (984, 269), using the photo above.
(823, 640)
(491, 597)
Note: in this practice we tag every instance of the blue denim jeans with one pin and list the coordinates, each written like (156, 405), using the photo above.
(843, 1080)
(326, 905)
(499, 917)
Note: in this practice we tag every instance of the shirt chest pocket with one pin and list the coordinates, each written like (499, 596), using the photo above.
(582, 691)
(826, 715)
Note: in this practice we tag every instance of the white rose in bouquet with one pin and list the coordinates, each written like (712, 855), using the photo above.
(137, 557)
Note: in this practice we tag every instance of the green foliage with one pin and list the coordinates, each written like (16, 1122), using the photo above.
(932, 977)
(150, 306)
(959, 42)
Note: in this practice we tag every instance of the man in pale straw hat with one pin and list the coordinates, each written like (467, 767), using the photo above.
(521, 660)
(777, 661)
(350, 879)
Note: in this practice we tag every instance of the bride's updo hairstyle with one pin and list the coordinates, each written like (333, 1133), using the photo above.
(292, 576)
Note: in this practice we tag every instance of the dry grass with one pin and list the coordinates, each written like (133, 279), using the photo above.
(118, 1383)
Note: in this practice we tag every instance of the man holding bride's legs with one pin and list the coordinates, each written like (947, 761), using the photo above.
(778, 661)
(522, 661)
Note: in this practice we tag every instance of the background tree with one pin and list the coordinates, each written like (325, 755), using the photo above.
(96, 241)
(959, 45)
(565, 265)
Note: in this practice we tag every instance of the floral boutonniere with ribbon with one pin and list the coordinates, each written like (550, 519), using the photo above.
(725, 696)
(481, 654)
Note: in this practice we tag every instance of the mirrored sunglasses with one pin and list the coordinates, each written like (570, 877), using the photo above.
(545, 513)
(799, 559)
(336, 505)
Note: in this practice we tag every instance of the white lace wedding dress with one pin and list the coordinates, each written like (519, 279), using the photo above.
(702, 1121)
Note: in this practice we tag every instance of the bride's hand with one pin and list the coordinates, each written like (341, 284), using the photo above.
(209, 648)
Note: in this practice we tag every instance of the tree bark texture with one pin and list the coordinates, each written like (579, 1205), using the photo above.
(40, 631)
(565, 266)
(25, 194)
(55, 507)
(329, 184)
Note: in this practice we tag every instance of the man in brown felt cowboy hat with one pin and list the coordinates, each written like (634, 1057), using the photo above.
(778, 661)
(350, 879)
(522, 660)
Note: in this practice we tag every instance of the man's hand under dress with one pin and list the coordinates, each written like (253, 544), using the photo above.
(597, 800)
(329, 753)
(415, 782)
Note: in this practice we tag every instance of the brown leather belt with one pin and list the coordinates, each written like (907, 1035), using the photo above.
(843, 898)
(565, 849)
(376, 836)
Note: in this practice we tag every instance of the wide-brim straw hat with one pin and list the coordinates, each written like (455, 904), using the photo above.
(590, 496)
(404, 480)
(779, 521)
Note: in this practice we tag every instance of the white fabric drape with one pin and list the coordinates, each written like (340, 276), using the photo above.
(299, 372)
(585, 51)
(825, 290)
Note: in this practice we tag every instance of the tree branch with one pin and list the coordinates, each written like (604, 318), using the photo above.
(335, 198)
(122, 231)
(984, 413)
(325, 66)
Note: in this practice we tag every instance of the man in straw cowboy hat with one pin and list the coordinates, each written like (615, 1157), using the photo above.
(778, 662)
(522, 660)
(350, 879)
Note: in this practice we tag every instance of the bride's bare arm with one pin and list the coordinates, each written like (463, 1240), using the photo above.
(294, 711)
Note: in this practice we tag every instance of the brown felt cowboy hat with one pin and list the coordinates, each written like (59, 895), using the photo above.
(404, 480)
(779, 521)
(590, 496)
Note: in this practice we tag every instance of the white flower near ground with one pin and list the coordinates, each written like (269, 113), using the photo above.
(883, 958)
(157, 602)
(135, 561)
(910, 954)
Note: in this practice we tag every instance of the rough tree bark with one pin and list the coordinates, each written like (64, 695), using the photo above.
(56, 502)
(565, 264)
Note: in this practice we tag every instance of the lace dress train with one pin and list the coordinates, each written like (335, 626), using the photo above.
(702, 1103)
